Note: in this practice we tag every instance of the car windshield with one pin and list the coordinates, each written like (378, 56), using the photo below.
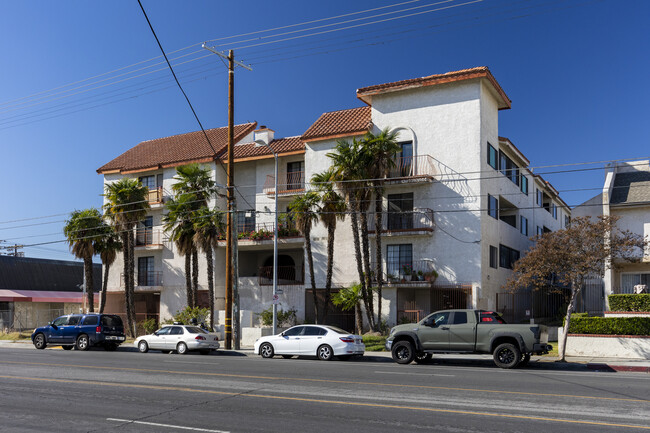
(338, 330)
(112, 321)
(195, 330)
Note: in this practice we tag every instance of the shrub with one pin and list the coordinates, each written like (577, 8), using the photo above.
(610, 325)
(629, 302)
(185, 316)
(149, 325)
(287, 318)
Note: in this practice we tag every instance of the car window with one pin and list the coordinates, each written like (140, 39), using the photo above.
(491, 317)
(74, 320)
(91, 320)
(164, 331)
(314, 330)
(112, 321)
(441, 318)
(176, 330)
(296, 330)
(195, 330)
(460, 317)
(60, 321)
(338, 330)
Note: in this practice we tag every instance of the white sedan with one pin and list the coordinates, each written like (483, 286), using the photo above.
(322, 341)
(179, 338)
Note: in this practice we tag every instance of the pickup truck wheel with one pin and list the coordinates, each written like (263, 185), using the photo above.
(524, 360)
(506, 355)
(40, 342)
(403, 352)
(422, 358)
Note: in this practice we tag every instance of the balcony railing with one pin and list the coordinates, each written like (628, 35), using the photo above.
(288, 183)
(147, 236)
(149, 278)
(287, 275)
(155, 195)
(415, 271)
(421, 166)
(395, 221)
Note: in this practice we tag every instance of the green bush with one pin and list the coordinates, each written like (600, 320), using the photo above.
(375, 343)
(149, 325)
(286, 318)
(610, 325)
(185, 316)
(629, 302)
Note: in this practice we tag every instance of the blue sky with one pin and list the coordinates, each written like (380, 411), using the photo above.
(576, 71)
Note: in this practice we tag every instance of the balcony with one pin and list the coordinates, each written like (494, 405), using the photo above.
(148, 238)
(415, 222)
(289, 184)
(416, 273)
(145, 279)
(413, 169)
(260, 236)
(155, 196)
(287, 276)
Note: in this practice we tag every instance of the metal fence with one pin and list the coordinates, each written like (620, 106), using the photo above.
(12, 320)
(414, 303)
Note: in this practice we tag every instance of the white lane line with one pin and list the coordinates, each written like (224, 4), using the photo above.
(415, 374)
(155, 424)
(191, 362)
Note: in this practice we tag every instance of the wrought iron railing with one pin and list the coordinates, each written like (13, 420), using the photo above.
(145, 236)
(413, 166)
(288, 182)
(149, 278)
(415, 220)
(287, 275)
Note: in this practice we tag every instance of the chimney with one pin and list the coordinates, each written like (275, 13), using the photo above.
(263, 134)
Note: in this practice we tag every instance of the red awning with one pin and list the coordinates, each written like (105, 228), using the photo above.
(42, 296)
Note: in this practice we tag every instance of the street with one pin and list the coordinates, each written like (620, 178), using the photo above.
(56, 390)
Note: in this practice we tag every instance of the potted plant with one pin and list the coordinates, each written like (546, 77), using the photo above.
(430, 275)
(420, 276)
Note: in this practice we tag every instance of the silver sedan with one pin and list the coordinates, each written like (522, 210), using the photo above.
(179, 338)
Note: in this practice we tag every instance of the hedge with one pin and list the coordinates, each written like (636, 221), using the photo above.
(610, 325)
(629, 302)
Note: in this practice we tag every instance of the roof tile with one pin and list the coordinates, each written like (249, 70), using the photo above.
(337, 123)
(280, 145)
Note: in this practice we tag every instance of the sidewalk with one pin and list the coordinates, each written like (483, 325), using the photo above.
(542, 362)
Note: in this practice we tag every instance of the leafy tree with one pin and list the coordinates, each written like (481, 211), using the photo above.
(82, 231)
(303, 211)
(572, 255)
(126, 205)
(107, 246)
(208, 225)
(349, 298)
(331, 208)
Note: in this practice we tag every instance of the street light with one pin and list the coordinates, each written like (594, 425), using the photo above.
(275, 239)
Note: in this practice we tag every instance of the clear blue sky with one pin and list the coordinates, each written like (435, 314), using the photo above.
(576, 71)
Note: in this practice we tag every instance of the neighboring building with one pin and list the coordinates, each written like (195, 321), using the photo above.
(35, 291)
(626, 194)
(461, 201)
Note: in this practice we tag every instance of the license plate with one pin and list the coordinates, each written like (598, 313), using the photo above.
(113, 337)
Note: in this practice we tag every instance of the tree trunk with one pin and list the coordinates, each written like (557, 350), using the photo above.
(102, 295)
(331, 229)
(358, 319)
(567, 321)
(312, 279)
(188, 280)
(378, 253)
(357, 248)
(131, 247)
(208, 258)
(127, 277)
(90, 295)
(195, 277)
(368, 296)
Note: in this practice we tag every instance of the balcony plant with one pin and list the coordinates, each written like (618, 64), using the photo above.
(430, 275)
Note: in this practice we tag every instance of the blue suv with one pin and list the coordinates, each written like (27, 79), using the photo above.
(81, 331)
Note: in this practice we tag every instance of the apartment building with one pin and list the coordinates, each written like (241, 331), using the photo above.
(461, 201)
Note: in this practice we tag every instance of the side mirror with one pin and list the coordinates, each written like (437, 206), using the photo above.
(155, 333)
(54, 326)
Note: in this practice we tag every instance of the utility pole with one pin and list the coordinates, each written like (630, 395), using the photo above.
(231, 235)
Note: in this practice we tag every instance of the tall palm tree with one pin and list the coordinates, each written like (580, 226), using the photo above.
(331, 208)
(303, 210)
(127, 204)
(107, 247)
(349, 298)
(383, 148)
(82, 232)
(208, 225)
(349, 162)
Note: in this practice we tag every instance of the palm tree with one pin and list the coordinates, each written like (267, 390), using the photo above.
(107, 247)
(82, 231)
(349, 162)
(126, 205)
(332, 208)
(208, 225)
(383, 148)
(349, 298)
(303, 210)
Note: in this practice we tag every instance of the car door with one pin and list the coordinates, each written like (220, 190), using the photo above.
(157, 339)
(69, 331)
(55, 331)
(461, 332)
(175, 336)
(288, 343)
(311, 338)
(88, 326)
(433, 331)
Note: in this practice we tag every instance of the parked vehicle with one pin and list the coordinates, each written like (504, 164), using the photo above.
(179, 338)
(322, 341)
(467, 331)
(81, 331)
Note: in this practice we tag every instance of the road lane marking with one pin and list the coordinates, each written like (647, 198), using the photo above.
(303, 379)
(330, 402)
(191, 362)
(155, 424)
(415, 374)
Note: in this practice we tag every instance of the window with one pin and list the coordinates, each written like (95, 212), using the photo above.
(246, 221)
(164, 331)
(437, 319)
(144, 233)
(459, 318)
(492, 157)
(539, 198)
(295, 175)
(400, 211)
(554, 210)
(74, 320)
(524, 226)
(60, 321)
(314, 330)
(405, 161)
(539, 231)
(567, 221)
(493, 206)
(293, 331)
(148, 181)
(176, 330)
(399, 259)
(146, 276)
(507, 256)
(494, 257)
(91, 320)
(112, 321)
(524, 184)
(490, 317)
(509, 168)
(628, 281)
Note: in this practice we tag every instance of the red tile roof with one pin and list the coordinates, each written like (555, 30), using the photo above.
(280, 146)
(366, 93)
(175, 150)
(339, 123)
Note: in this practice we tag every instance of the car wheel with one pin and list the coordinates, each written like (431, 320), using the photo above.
(39, 341)
(525, 358)
(325, 352)
(403, 352)
(205, 352)
(266, 350)
(67, 347)
(143, 347)
(82, 342)
(422, 358)
(110, 347)
(287, 356)
(181, 348)
(506, 355)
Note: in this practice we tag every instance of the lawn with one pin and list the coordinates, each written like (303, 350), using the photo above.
(374, 343)
(15, 335)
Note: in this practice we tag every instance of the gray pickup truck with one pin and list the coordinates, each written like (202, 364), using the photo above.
(467, 331)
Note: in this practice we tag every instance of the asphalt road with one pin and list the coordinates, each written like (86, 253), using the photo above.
(70, 391)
